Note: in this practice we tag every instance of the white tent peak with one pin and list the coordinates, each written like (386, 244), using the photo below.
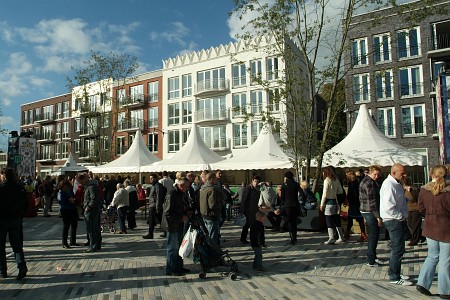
(70, 162)
(366, 145)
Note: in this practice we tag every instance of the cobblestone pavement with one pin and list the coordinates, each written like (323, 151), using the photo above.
(129, 267)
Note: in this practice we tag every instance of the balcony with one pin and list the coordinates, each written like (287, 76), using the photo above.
(88, 131)
(439, 43)
(87, 110)
(133, 101)
(211, 115)
(211, 87)
(87, 153)
(45, 118)
(131, 124)
(45, 137)
(42, 157)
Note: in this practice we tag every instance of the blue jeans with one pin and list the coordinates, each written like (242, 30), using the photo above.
(213, 229)
(374, 233)
(174, 262)
(13, 228)
(397, 235)
(438, 252)
(92, 219)
(122, 214)
(257, 262)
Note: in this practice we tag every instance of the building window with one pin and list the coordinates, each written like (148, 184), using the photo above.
(46, 152)
(120, 145)
(174, 113)
(214, 137)
(153, 91)
(408, 43)
(137, 93)
(382, 48)
(174, 87)
(411, 83)
(239, 104)
(153, 142)
(185, 135)
(211, 108)
(256, 129)
(48, 112)
(187, 112)
(211, 79)
(255, 71)
(174, 140)
(384, 83)
(239, 74)
(105, 143)
(239, 135)
(361, 87)
(65, 130)
(58, 131)
(62, 150)
(30, 117)
(359, 52)
(65, 109)
(77, 125)
(386, 121)
(413, 120)
(272, 68)
(186, 82)
(37, 114)
(153, 117)
(137, 119)
(76, 146)
(121, 97)
(274, 100)
(256, 101)
(58, 110)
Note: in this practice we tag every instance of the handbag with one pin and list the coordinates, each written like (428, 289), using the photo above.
(240, 220)
(186, 249)
(344, 212)
(38, 202)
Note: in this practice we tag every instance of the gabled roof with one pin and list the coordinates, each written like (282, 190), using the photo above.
(366, 145)
(195, 155)
(131, 161)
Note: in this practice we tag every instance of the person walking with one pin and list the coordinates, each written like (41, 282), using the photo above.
(156, 198)
(354, 212)
(69, 213)
(393, 211)
(121, 202)
(290, 204)
(434, 202)
(249, 206)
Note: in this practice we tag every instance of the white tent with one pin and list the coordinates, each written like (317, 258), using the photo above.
(195, 155)
(365, 145)
(264, 153)
(71, 165)
(131, 161)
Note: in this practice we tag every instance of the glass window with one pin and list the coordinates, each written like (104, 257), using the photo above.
(211, 79)
(77, 125)
(256, 129)
(361, 87)
(255, 71)
(386, 121)
(274, 100)
(174, 113)
(359, 52)
(58, 131)
(137, 119)
(65, 130)
(272, 68)
(58, 110)
(76, 146)
(48, 112)
(153, 142)
(408, 43)
(186, 85)
(214, 137)
(187, 112)
(240, 135)
(256, 101)
(382, 47)
(413, 120)
(185, 132)
(411, 83)
(239, 74)
(174, 87)
(120, 145)
(153, 91)
(137, 93)
(211, 108)
(30, 117)
(153, 117)
(65, 109)
(121, 97)
(384, 83)
(174, 140)
(239, 104)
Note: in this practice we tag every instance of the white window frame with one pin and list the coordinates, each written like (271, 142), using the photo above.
(185, 135)
(272, 105)
(240, 135)
(359, 52)
(255, 71)
(239, 74)
(383, 49)
(363, 80)
(77, 125)
(173, 114)
(186, 112)
(58, 107)
(153, 91)
(66, 109)
(152, 142)
(173, 87)
(407, 53)
(65, 130)
(256, 101)
(272, 67)
(412, 117)
(120, 145)
(239, 104)
(186, 82)
(153, 117)
(137, 92)
(173, 140)
(386, 121)
(384, 81)
(256, 127)
(76, 146)
(413, 89)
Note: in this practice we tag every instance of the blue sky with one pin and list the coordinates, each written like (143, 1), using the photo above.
(41, 40)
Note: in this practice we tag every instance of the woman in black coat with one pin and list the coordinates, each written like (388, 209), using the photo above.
(249, 206)
(290, 204)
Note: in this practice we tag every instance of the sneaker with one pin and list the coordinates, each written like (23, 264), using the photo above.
(401, 282)
(340, 241)
(380, 261)
(330, 242)
(404, 277)
(373, 265)
(147, 237)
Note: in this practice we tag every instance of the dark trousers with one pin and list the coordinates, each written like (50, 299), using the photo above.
(274, 219)
(131, 218)
(244, 232)
(152, 220)
(395, 228)
(122, 212)
(374, 233)
(92, 219)
(70, 220)
(12, 228)
(414, 222)
(333, 221)
(292, 213)
(360, 221)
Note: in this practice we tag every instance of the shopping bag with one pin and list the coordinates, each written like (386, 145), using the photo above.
(240, 220)
(187, 245)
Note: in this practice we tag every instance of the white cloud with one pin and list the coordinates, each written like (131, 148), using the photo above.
(6, 102)
(8, 122)
(177, 33)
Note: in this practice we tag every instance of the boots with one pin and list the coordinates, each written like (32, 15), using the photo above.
(347, 235)
(331, 240)
(363, 237)
(341, 236)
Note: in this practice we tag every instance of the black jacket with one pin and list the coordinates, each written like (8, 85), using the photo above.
(13, 199)
(175, 206)
(289, 194)
(249, 203)
(257, 238)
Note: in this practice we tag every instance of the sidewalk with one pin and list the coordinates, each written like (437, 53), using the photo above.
(129, 267)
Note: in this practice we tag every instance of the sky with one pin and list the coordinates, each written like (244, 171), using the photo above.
(41, 40)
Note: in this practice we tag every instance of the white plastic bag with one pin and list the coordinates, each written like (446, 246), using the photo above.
(187, 245)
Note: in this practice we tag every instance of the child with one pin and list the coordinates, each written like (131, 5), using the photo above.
(257, 239)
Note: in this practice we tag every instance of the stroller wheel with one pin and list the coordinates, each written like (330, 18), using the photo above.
(112, 230)
(102, 229)
(202, 275)
(233, 276)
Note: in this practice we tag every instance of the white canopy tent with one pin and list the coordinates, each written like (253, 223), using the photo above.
(195, 155)
(264, 153)
(69, 166)
(366, 145)
(131, 161)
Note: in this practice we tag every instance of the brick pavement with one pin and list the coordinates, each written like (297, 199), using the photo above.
(129, 267)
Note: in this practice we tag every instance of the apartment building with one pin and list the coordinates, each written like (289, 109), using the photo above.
(393, 66)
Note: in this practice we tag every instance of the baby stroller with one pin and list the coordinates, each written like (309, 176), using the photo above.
(109, 220)
(209, 253)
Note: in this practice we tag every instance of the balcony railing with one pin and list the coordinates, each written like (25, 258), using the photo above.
(87, 109)
(211, 115)
(87, 153)
(212, 85)
(45, 156)
(130, 124)
(132, 101)
(442, 41)
(152, 123)
(46, 117)
(88, 131)
(239, 81)
(45, 136)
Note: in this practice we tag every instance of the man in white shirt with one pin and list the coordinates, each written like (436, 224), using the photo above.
(393, 211)
(167, 181)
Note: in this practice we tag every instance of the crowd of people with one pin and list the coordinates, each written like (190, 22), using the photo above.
(394, 203)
